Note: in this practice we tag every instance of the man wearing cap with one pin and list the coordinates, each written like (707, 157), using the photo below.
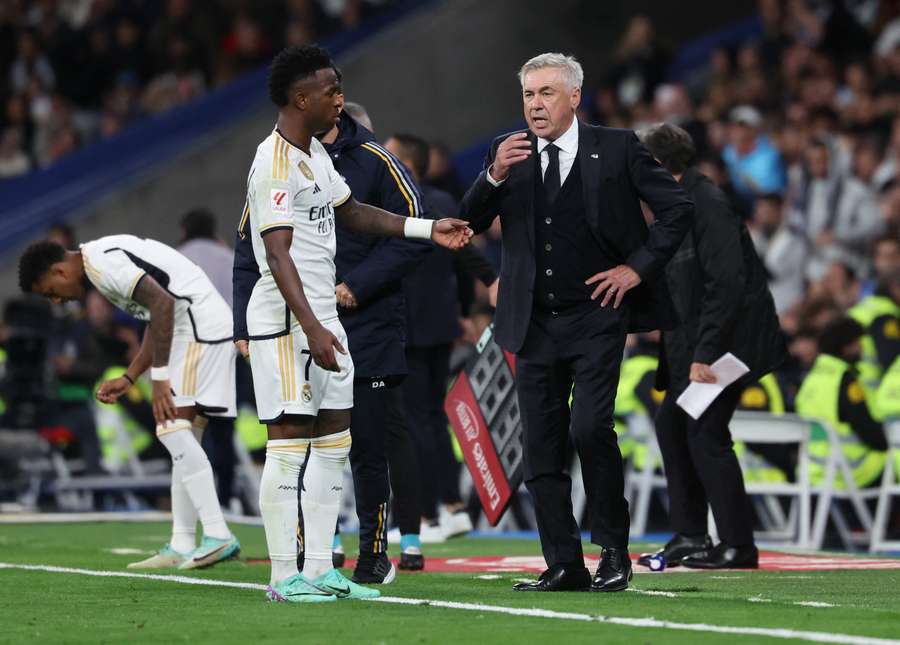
(754, 163)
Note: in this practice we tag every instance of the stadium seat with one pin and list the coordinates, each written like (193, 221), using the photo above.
(761, 427)
(641, 482)
(829, 494)
(889, 489)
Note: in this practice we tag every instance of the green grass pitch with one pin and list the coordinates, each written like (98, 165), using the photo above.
(49, 607)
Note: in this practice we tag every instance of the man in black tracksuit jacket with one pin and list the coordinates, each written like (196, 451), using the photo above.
(720, 293)
(372, 270)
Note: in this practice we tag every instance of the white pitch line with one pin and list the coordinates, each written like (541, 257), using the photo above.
(649, 592)
(816, 637)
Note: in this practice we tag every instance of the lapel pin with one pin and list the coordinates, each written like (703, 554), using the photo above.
(595, 156)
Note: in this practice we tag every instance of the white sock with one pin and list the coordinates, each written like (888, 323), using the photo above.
(278, 503)
(321, 499)
(184, 518)
(191, 466)
(184, 515)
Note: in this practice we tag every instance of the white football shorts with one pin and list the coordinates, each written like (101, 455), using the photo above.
(203, 375)
(286, 379)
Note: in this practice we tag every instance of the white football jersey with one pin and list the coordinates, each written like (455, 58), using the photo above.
(289, 189)
(116, 264)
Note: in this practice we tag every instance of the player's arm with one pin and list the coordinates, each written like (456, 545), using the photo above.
(370, 220)
(322, 342)
(154, 352)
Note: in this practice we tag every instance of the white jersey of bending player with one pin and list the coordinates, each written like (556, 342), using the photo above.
(116, 264)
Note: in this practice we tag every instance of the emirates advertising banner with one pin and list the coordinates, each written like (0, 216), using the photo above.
(484, 413)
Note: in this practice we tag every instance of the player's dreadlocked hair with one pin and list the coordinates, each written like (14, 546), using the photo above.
(292, 64)
(36, 261)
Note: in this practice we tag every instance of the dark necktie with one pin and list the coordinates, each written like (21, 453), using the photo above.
(551, 175)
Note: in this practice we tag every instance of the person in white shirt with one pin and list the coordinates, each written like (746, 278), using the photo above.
(187, 348)
(302, 373)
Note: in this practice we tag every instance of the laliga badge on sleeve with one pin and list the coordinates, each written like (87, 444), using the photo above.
(279, 201)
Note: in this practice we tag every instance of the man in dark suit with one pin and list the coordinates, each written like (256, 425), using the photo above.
(579, 272)
(724, 305)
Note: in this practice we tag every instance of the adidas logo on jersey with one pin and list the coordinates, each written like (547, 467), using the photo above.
(316, 189)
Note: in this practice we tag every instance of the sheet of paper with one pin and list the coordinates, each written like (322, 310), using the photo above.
(698, 396)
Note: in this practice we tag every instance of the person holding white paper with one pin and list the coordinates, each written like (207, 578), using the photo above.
(728, 326)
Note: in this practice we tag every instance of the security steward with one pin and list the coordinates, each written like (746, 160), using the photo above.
(832, 391)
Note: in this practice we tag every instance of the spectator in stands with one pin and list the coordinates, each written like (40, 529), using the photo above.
(639, 63)
(839, 216)
(13, 161)
(754, 163)
(781, 249)
(30, 65)
(832, 391)
(671, 104)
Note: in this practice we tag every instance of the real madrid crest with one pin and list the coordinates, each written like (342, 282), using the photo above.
(305, 170)
(307, 390)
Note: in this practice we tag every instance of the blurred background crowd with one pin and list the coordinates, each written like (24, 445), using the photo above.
(76, 71)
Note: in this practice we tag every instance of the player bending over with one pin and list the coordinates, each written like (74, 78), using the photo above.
(302, 373)
(187, 348)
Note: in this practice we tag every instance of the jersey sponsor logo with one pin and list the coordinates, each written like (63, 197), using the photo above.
(279, 201)
(305, 170)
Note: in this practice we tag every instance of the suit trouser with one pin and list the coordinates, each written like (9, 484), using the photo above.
(425, 389)
(543, 387)
(701, 468)
(379, 428)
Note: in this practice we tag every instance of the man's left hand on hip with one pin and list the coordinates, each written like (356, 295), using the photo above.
(616, 283)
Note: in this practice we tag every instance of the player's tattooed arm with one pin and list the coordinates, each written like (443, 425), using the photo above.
(322, 342)
(370, 220)
(162, 314)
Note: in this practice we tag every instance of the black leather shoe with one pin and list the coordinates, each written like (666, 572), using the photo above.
(559, 577)
(724, 557)
(614, 571)
(677, 549)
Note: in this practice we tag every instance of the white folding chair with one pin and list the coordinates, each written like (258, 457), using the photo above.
(889, 488)
(762, 427)
(640, 483)
(829, 493)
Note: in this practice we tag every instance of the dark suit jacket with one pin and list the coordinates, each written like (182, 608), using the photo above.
(616, 172)
(720, 294)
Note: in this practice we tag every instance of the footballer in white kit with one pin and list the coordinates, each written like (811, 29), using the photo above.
(302, 372)
(187, 348)
(289, 189)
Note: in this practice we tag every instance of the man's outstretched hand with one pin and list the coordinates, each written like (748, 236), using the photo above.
(451, 233)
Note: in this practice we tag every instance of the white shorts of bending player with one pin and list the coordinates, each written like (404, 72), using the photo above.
(203, 375)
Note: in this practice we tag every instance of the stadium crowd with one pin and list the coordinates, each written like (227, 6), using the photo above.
(798, 125)
(76, 71)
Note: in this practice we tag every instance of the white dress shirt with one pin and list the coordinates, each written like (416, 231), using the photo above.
(568, 151)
